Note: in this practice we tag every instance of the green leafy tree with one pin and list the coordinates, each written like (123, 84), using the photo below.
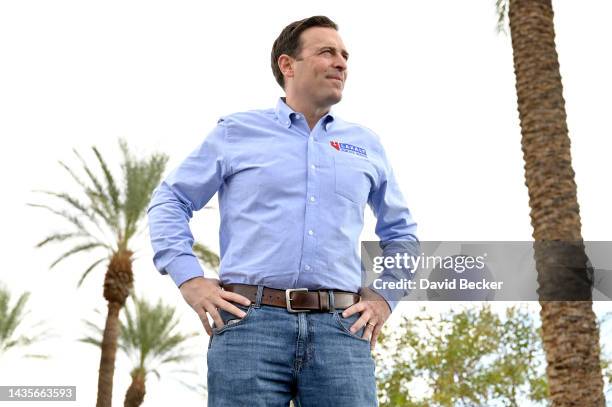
(104, 222)
(606, 357)
(149, 337)
(12, 317)
(464, 358)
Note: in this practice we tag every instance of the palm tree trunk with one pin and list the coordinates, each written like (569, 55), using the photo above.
(107, 358)
(118, 283)
(569, 328)
(136, 392)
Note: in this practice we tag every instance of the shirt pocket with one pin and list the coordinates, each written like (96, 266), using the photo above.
(353, 178)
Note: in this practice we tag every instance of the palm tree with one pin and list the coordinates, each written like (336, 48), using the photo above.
(149, 337)
(208, 258)
(107, 221)
(11, 318)
(569, 328)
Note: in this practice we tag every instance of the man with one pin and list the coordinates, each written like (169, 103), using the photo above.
(293, 183)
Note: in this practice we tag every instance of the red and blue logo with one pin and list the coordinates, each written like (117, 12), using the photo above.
(349, 148)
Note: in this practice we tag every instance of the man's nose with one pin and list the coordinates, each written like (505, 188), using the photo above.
(340, 63)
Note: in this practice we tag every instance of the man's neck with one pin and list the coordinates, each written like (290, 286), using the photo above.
(311, 113)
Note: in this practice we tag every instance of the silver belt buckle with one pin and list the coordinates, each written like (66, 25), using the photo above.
(288, 298)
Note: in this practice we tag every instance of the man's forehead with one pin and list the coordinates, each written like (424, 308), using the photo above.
(318, 37)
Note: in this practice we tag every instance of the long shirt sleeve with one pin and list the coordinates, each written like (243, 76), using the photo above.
(187, 189)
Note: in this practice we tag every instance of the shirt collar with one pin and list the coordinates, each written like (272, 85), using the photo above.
(286, 115)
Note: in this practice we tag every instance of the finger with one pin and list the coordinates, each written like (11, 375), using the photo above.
(229, 307)
(375, 334)
(358, 307)
(368, 332)
(215, 316)
(361, 321)
(234, 297)
(207, 326)
(204, 320)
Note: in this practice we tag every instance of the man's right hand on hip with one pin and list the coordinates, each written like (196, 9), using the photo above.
(205, 295)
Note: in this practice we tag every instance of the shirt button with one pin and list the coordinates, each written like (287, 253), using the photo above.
(312, 199)
(313, 166)
(307, 267)
(311, 232)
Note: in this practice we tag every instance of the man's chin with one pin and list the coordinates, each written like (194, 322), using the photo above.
(335, 98)
(329, 99)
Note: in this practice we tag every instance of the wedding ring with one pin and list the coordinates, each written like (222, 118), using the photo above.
(371, 324)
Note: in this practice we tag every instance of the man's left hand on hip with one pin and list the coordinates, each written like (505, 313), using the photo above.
(374, 313)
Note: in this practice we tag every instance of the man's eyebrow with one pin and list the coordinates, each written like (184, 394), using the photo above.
(344, 52)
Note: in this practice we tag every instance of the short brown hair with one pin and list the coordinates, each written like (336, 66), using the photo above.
(288, 41)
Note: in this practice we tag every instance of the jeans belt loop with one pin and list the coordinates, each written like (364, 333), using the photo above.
(332, 306)
(260, 289)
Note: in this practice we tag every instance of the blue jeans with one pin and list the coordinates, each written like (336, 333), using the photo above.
(272, 356)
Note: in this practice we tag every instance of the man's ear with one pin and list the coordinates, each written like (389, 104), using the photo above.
(285, 64)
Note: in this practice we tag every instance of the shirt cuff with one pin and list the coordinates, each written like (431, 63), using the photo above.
(183, 268)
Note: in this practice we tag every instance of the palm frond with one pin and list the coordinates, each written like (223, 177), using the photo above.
(171, 343)
(93, 327)
(11, 318)
(74, 176)
(209, 258)
(66, 215)
(156, 373)
(199, 388)
(104, 207)
(91, 340)
(502, 15)
(96, 333)
(24, 340)
(94, 197)
(99, 199)
(177, 358)
(144, 335)
(79, 249)
(113, 192)
(75, 203)
(187, 371)
(60, 237)
(112, 223)
(140, 179)
(36, 356)
(149, 334)
(89, 269)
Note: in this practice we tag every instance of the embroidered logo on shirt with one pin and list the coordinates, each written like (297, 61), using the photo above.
(349, 148)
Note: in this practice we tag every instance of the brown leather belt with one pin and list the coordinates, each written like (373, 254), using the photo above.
(296, 299)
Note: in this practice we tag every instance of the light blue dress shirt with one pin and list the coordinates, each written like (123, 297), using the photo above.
(291, 201)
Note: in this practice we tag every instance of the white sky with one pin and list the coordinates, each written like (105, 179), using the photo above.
(433, 79)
